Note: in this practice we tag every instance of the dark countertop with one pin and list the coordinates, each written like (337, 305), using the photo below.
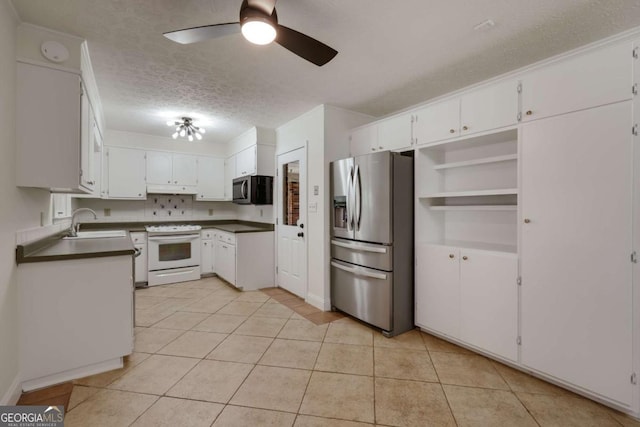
(231, 226)
(55, 248)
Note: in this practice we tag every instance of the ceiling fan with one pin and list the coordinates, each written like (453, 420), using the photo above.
(259, 24)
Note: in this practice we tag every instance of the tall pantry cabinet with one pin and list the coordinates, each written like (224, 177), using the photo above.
(526, 234)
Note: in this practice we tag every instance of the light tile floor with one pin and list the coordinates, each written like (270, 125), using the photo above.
(207, 355)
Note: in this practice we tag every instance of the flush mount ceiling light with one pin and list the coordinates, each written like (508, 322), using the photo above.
(186, 128)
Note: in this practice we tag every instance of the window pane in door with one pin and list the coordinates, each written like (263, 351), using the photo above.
(291, 190)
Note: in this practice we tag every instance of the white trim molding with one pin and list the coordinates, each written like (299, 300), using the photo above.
(12, 395)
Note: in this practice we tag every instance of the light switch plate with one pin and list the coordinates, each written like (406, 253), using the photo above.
(316, 190)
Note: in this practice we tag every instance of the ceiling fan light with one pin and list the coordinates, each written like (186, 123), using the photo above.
(190, 138)
(175, 135)
(171, 123)
(258, 32)
(183, 132)
(202, 131)
(198, 136)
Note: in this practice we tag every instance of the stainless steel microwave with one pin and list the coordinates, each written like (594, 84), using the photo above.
(253, 190)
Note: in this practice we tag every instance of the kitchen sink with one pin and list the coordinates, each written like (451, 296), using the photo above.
(97, 234)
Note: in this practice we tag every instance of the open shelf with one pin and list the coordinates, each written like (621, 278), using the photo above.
(472, 193)
(481, 246)
(475, 208)
(486, 160)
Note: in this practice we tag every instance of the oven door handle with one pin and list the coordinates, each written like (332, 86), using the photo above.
(173, 239)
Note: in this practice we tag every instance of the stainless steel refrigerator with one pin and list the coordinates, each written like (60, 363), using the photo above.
(372, 240)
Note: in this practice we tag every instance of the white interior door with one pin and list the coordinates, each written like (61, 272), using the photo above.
(292, 221)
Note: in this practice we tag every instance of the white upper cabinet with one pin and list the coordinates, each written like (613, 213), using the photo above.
(229, 174)
(86, 144)
(126, 173)
(171, 169)
(211, 180)
(364, 140)
(246, 161)
(48, 129)
(255, 160)
(437, 122)
(185, 169)
(587, 80)
(395, 133)
(489, 108)
(159, 168)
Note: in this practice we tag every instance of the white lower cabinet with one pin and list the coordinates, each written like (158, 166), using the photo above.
(141, 263)
(225, 255)
(470, 295)
(207, 252)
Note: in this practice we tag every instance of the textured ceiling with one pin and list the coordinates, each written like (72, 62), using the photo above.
(392, 54)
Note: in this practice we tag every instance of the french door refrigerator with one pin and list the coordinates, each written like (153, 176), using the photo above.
(372, 240)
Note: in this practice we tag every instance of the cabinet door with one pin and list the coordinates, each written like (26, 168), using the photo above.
(363, 140)
(437, 122)
(159, 168)
(229, 175)
(489, 301)
(225, 255)
(493, 107)
(576, 295)
(246, 162)
(141, 269)
(206, 255)
(86, 151)
(438, 289)
(588, 80)
(395, 133)
(210, 178)
(96, 152)
(185, 169)
(126, 173)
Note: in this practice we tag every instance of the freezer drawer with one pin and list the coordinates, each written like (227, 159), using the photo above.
(363, 293)
(371, 255)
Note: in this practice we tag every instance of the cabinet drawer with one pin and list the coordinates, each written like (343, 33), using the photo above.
(208, 234)
(227, 238)
(138, 238)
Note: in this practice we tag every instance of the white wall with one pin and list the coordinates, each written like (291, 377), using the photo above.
(324, 131)
(150, 142)
(20, 208)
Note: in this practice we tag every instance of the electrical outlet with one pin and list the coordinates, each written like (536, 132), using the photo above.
(210, 212)
(261, 213)
(41, 219)
(107, 211)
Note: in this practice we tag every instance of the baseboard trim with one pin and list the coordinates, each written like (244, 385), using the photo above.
(73, 374)
(318, 302)
(14, 392)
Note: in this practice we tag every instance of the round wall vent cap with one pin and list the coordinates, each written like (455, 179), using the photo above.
(54, 51)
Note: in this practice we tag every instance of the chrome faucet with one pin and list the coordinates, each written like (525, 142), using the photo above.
(74, 226)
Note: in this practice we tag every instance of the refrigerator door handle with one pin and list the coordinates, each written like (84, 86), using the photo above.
(360, 272)
(359, 248)
(358, 195)
(349, 200)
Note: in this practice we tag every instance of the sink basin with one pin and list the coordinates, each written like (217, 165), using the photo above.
(97, 234)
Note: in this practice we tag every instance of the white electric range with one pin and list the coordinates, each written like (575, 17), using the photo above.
(174, 253)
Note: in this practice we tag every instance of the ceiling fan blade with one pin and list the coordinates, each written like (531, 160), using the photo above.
(304, 46)
(266, 6)
(206, 32)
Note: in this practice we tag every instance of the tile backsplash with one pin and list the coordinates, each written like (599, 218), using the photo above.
(168, 206)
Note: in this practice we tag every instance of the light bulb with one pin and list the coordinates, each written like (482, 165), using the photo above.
(170, 123)
(190, 138)
(258, 32)
(175, 135)
(202, 131)
(198, 136)
(183, 132)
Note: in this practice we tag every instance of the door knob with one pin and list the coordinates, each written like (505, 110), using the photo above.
(301, 234)
(301, 226)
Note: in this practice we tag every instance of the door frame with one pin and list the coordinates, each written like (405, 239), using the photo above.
(277, 200)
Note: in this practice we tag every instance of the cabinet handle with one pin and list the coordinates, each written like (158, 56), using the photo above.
(529, 113)
(381, 147)
(373, 149)
(465, 128)
(451, 256)
(139, 194)
(527, 220)
(452, 131)
(175, 182)
(465, 257)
